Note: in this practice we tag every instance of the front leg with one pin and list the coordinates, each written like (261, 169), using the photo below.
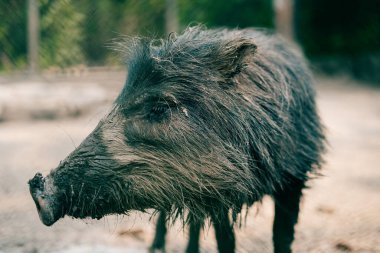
(158, 244)
(224, 232)
(194, 232)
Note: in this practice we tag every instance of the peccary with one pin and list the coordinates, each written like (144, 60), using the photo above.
(208, 122)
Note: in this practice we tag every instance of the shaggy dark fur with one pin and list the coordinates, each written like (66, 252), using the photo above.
(208, 121)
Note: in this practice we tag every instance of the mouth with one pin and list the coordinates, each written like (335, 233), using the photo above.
(49, 209)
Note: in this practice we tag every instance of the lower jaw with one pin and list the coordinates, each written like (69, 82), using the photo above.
(79, 215)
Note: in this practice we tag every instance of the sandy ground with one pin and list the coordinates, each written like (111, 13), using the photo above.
(340, 212)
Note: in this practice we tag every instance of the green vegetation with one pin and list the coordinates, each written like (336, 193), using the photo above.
(232, 13)
(338, 27)
(12, 34)
(77, 32)
(73, 32)
(61, 33)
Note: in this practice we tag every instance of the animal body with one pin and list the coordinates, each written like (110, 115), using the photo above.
(208, 121)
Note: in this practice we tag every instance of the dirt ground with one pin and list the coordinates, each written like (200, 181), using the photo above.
(339, 213)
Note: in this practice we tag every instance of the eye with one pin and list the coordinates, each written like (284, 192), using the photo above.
(159, 111)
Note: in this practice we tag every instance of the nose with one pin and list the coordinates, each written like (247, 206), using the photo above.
(36, 188)
(37, 182)
(46, 206)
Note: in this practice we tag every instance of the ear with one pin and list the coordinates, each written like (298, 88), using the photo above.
(234, 55)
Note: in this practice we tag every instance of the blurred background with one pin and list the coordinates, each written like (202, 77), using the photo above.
(58, 77)
(338, 35)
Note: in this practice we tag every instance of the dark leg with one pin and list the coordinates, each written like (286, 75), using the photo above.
(159, 238)
(194, 231)
(224, 232)
(286, 215)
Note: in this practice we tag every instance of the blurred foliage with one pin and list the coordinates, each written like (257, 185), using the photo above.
(74, 32)
(61, 25)
(232, 13)
(106, 20)
(338, 27)
(341, 36)
(77, 32)
(12, 34)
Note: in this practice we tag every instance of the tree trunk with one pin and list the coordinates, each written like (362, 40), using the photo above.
(171, 16)
(284, 18)
(33, 36)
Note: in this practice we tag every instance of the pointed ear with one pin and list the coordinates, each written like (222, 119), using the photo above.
(234, 55)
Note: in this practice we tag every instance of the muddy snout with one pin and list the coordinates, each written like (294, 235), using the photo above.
(42, 191)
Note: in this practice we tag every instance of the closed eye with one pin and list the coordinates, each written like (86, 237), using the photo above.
(161, 110)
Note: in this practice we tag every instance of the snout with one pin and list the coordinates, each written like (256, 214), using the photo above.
(43, 193)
